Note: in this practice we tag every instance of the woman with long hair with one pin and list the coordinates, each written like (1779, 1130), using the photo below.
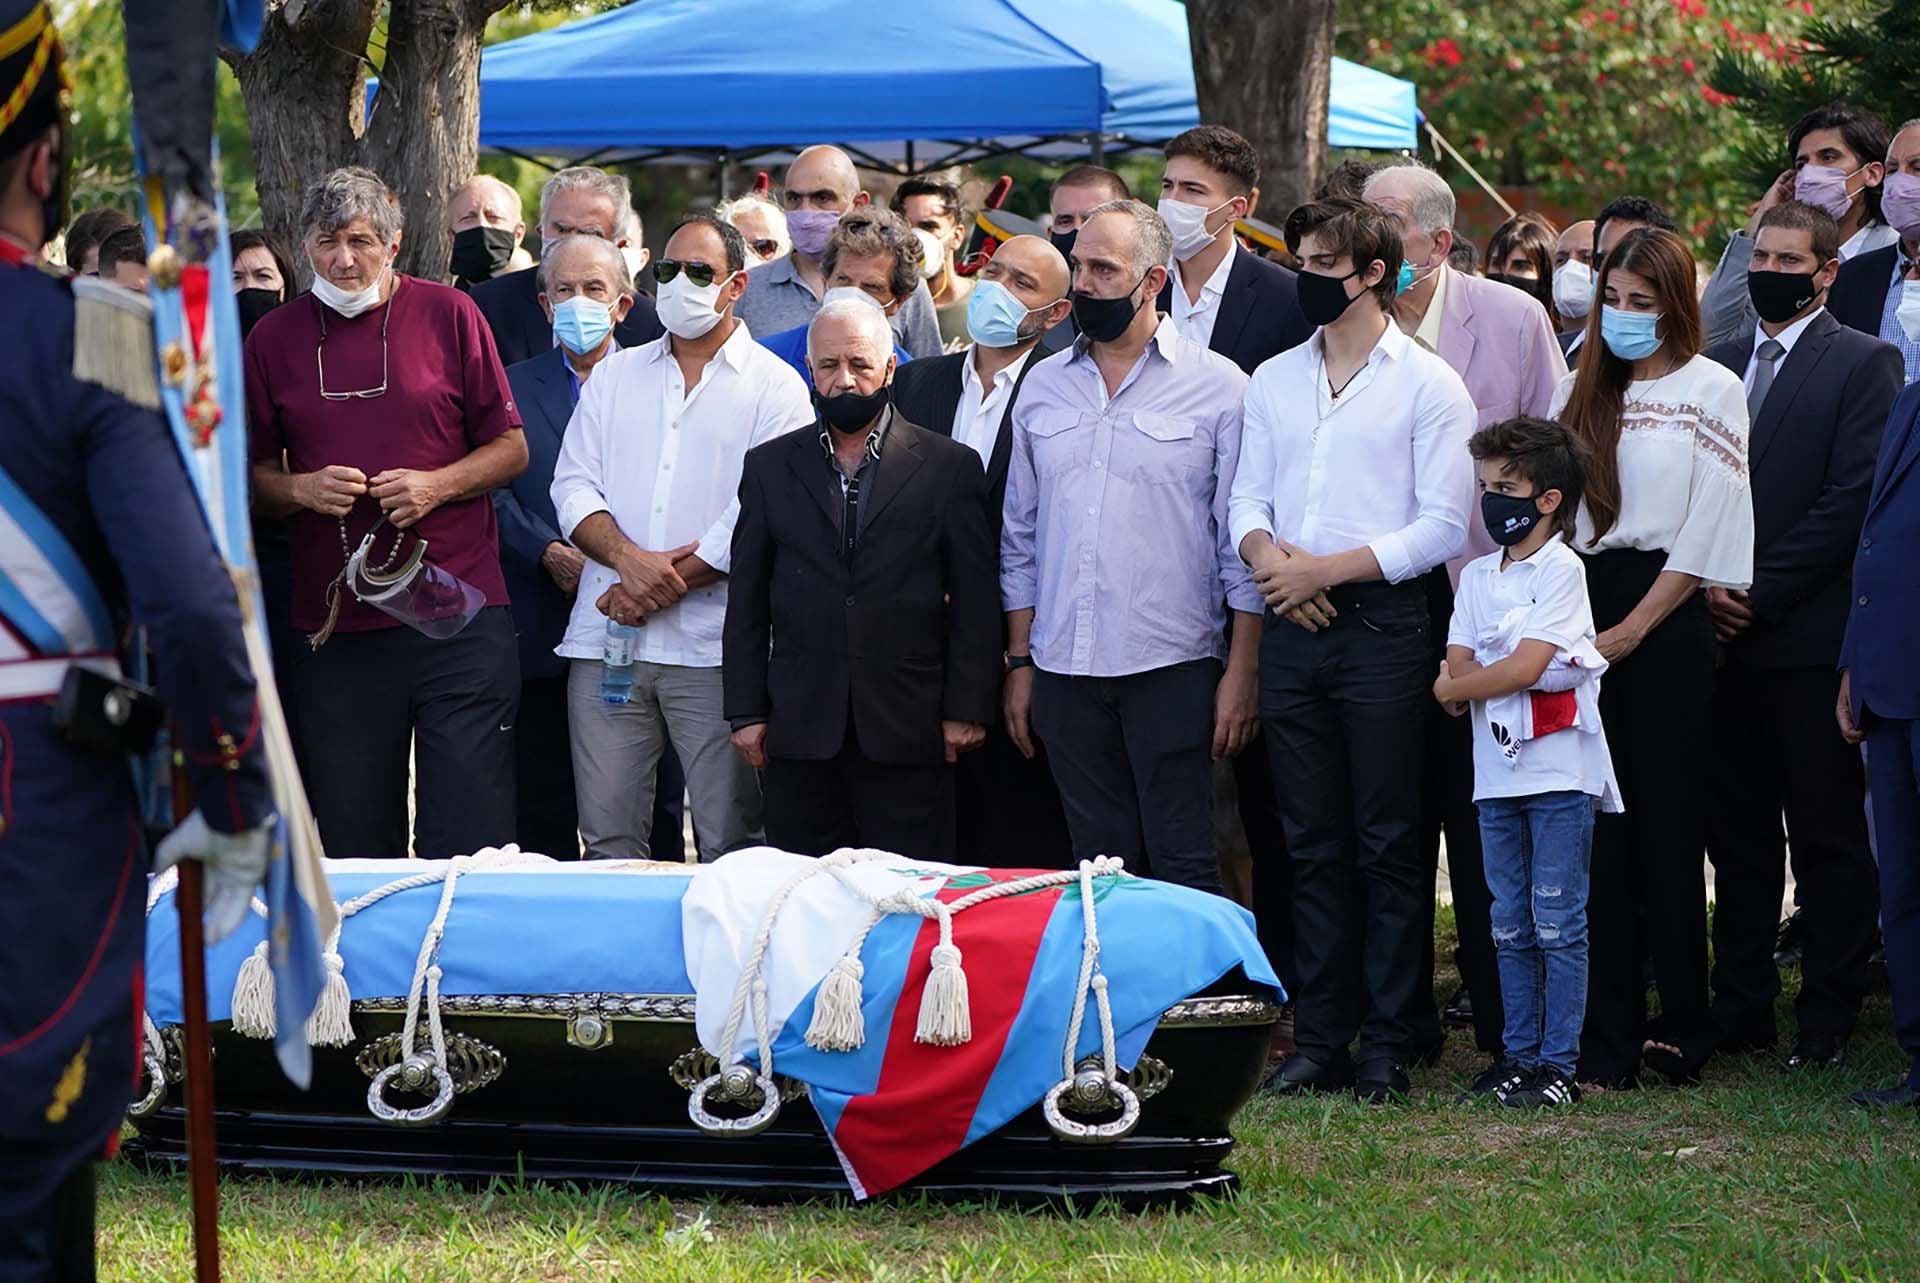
(262, 276)
(1666, 511)
(1520, 254)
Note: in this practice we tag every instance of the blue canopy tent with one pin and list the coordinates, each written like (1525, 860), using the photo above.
(905, 86)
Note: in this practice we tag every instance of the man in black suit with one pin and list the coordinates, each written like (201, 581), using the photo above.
(1818, 394)
(581, 201)
(1247, 309)
(1868, 292)
(543, 570)
(1009, 809)
(859, 643)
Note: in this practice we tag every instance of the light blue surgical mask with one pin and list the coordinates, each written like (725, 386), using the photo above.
(994, 316)
(582, 324)
(1411, 276)
(1631, 336)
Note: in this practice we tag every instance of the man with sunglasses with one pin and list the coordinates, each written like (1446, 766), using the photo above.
(645, 486)
(381, 397)
(762, 224)
(820, 186)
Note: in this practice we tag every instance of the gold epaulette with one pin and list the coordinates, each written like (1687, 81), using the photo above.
(113, 340)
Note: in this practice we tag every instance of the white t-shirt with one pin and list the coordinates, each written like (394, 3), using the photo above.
(1683, 473)
(1551, 588)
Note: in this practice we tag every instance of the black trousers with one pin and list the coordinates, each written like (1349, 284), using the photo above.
(1344, 715)
(366, 698)
(1777, 751)
(817, 807)
(1008, 810)
(1648, 894)
(1133, 757)
(1446, 804)
(1272, 867)
(45, 1238)
(547, 820)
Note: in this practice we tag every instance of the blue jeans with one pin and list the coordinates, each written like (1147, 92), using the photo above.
(1536, 856)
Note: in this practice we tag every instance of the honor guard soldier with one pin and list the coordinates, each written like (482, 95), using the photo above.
(99, 527)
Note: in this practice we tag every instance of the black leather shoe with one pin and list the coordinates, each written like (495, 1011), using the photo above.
(1380, 1080)
(1459, 1009)
(1302, 1075)
(1788, 944)
(1906, 1095)
(1818, 1051)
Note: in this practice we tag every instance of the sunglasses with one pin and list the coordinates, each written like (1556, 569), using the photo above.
(701, 274)
(765, 248)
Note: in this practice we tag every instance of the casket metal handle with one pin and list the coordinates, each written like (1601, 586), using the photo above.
(414, 1073)
(1090, 1091)
(736, 1083)
(156, 1087)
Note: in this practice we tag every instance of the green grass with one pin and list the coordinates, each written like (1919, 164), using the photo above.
(1752, 1176)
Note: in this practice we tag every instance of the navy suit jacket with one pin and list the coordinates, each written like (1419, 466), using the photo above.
(1859, 293)
(1883, 629)
(521, 330)
(1810, 458)
(1259, 312)
(928, 393)
(543, 388)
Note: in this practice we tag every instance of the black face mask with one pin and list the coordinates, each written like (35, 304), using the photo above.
(1105, 319)
(850, 411)
(1324, 299)
(481, 253)
(1529, 285)
(1063, 241)
(1781, 296)
(1509, 517)
(253, 305)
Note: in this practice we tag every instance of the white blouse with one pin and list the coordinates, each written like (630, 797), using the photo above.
(1683, 473)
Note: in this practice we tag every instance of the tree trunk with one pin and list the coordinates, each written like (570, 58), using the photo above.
(305, 89)
(1266, 77)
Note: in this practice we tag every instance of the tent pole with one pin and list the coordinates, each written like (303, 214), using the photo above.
(1097, 148)
(726, 192)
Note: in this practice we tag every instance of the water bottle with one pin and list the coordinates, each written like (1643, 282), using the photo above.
(616, 663)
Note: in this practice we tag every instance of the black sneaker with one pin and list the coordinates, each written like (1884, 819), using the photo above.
(1548, 1088)
(1498, 1081)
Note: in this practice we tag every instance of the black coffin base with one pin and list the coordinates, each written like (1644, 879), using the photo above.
(1018, 1169)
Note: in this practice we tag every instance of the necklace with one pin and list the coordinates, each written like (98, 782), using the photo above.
(393, 554)
(1344, 386)
(1673, 363)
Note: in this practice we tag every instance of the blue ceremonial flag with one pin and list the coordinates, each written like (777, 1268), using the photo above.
(202, 390)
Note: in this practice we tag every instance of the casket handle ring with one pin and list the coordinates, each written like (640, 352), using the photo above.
(156, 1087)
(1091, 1091)
(415, 1072)
(735, 1083)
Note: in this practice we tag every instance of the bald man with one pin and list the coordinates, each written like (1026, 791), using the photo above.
(819, 186)
(1573, 286)
(487, 222)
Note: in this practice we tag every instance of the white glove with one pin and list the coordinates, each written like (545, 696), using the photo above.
(236, 863)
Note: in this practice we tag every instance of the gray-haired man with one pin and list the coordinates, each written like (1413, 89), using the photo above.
(578, 201)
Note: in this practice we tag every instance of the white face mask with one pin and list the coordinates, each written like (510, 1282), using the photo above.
(686, 309)
(1908, 313)
(1573, 288)
(350, 303)
(933, 256)
(1188, 223)
(637, 257)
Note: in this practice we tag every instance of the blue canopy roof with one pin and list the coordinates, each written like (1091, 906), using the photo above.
(668, 79)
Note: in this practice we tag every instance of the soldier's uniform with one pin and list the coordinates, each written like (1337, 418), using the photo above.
(83, 470)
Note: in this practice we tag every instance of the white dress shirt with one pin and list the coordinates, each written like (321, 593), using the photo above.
(1383, 465)
(665, 462)
(1194, 320)
(1682, 463)
(1785, 338)
(976, 423)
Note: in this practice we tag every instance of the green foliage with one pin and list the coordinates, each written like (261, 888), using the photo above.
(1589, 99)
(1871, 60)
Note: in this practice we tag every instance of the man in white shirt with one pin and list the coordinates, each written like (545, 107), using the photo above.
(646, 487)
(1353, 483)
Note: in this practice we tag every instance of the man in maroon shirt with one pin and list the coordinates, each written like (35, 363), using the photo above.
(382, 393)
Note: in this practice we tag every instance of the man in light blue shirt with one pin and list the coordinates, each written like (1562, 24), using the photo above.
(1117, 571)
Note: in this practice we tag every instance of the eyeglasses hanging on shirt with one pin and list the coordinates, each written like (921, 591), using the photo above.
(320, 357)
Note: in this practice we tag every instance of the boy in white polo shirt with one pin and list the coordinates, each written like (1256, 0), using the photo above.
(1521, 652)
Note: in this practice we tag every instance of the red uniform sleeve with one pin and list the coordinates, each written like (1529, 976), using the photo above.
(485, 394)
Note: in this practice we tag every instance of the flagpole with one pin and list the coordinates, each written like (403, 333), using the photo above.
(197, 1054)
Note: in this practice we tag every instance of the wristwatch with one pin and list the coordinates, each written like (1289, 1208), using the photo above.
(1014, 661)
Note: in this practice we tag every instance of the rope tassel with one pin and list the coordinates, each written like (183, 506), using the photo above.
(253, 996)
(331, 1024)
(946, 1019)
(838, 1022)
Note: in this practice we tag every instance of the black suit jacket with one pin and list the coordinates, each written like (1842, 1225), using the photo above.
(901, 635)
(928, 393)
(1859, 293)
(521, 331)
(524, 508)
(1810, 456)
(1259, 312)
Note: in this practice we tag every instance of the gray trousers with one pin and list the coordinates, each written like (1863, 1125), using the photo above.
(616, 754)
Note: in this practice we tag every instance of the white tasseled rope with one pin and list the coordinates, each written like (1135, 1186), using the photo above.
(1090, 976)
(426, 973)
(752, 985)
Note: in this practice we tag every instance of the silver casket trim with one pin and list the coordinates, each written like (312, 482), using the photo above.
(678, 1008)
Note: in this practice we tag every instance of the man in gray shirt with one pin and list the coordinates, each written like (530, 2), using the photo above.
(820, 185)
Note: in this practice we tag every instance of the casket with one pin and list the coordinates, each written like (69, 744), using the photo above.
(566, 1021)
